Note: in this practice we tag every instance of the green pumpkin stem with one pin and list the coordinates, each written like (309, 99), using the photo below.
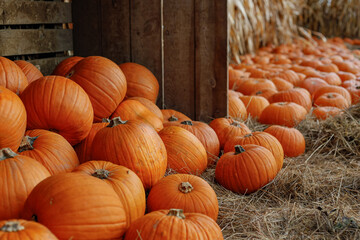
(176, 213)
(239, 149)
(12, 226)
(6, 153)
(187, 122)
(116, 121)
(248, 135)
(173, 119)
(101, 173)
(27, 143)
(185, 187)
(105, 120)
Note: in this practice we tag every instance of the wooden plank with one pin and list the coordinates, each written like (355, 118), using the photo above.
(179, 56)
(211, 67)
(33, 41)
(30, 12)
(146, 45)
(115, 30)
(87, 27)
(47, 65)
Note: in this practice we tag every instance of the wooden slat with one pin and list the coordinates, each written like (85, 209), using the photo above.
(211, 59)
(87, 27)
(47, 65)
(115, 30)
(33, 41)
(179, 56)
(30, 12)
(146, 43)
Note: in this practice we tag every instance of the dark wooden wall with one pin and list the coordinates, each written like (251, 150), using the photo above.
(36, 31)
(184, 43)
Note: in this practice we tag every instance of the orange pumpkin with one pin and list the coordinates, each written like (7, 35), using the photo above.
(332, 99)
(266, 93)
(63, 68)
(296, 95)
(323, 113)
(237, 109)
(255, 84)
(281, 84)
(31, 72)
(171, 115)
(254, 105)
(333, 89)
(150, 105)
(11, 76)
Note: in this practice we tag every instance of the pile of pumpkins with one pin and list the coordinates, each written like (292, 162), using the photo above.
(85, 151)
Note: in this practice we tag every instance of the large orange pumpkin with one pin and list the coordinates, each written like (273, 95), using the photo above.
(186, 154)
(184, 191)
(103, 81)
(173, 224)
(50, 149)
(125, 183)
(20, 229)
(11, 76)
(58, 104)
(247, 169)
(77, 206)
(135, 145)
(31, 72)
(141, 81)
(18, 176)
(12, 119)
(63, 68)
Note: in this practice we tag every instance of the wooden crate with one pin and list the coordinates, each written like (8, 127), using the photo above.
(36, 31)
(184, 43)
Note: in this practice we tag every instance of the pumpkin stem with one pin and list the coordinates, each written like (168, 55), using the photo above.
(6, 153)
(70, 74)
(330, 95)
(187, 122)
(282, 103)
(101, 173)
(357, 87)
(173, 119)
(176, 213)
(27, 143)
(105, 120)
(236, 124)
(116, 121)
(34, 218)
(185, 187)
(12, 226)
(239, 149)
(248, 135)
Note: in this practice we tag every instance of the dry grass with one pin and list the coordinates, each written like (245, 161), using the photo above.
(315, 196)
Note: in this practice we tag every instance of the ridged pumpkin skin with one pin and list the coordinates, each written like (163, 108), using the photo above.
(11, 76)
(134, 110)
(283, 113)
(18, 176)
(332, 99)
(135, 145)
(312, 84)
(323, 113)
(248, 169)
(20, 229)
(185, 152)
(281, 84)
(296, 95)
(103, 81)
(237, 109)
(141, 81)
(291, 139)
(125, 183)
(63, 68)
(31, 72)
(266, 93)
(77, 206)
(12, 119)
(58, 104)
(255, 84)
(170, 115)
(150, 105)
(83, 149)
(174, 225)
(254, 105)
(227, 128)
(184, 191)
(263, 139)
(333, 89)
(206, 135)
(50, 149)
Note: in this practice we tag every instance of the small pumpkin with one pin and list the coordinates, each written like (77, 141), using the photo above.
(247, 169)
(24, 230)
(323, 113)
(50, 149)
(333, 89)
(332, 99)
(297, 95)
(312, 84)
(254, 105)
(11, 76)
(255, 84)
(173, 224)
(291, 139)
(184, 191)
(31, 72)
(237, 109)
(281, 84)
(63, 68)
(171, 115)
(266, 93)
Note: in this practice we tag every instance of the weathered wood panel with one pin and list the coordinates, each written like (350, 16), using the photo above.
(211, 59)
(146, 45)
(179, 54)
(47, 65)
(31, 12)
(21, 42)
